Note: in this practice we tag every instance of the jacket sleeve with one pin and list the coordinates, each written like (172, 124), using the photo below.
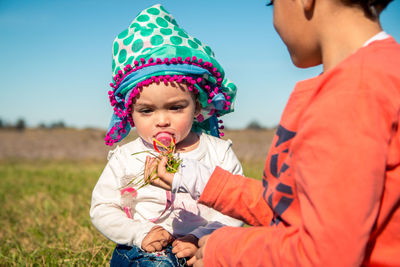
(338, 164)
(237, 196)
(106, 212)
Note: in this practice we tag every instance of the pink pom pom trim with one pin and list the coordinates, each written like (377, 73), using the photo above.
(124, 109)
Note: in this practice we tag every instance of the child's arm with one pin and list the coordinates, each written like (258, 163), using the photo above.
(338, 162)
(248, 204)
(246, 194)
(106, 211)
(246, 201)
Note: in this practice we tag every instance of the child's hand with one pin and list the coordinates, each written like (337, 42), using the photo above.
(150, 168)
(186, 247)
(198, 258)
(156, 239)
(165, 178)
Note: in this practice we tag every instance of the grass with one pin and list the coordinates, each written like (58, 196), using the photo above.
(44, 216)
(253, 169)
(44, 219)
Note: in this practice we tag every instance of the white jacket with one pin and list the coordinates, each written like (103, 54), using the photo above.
(185, 216)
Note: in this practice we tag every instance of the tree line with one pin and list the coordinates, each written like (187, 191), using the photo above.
(20, 125)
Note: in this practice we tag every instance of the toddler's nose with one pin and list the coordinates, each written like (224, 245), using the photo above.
(163, 120)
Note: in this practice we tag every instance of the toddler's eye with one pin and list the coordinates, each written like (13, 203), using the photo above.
(270, 3)
(145, 111)
(176, 107)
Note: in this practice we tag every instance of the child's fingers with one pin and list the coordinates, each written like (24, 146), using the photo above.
(164, 179)
(199, 253)
(162, 166)
(186, 252)
(203, 240)
(183, 249)
(164, 242)
(175, 246)
(167, 236)
(198, 263)
(166, 239)
(163, 173)
(160, 183)
(157, 246)
(191, 261)
(148, 248)
(150, 165)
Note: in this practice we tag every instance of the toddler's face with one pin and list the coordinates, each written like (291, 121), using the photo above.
(163, 112)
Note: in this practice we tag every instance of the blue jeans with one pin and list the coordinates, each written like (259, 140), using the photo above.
(125, 256)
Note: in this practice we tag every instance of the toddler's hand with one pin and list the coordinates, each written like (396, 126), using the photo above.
(150, 169)
(156, 239)
(165, 178)
(198, 262)
(186, 247)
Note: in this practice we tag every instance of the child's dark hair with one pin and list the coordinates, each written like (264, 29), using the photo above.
(372, 8)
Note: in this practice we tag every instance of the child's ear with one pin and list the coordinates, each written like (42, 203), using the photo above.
(308, 5)
(197, 108)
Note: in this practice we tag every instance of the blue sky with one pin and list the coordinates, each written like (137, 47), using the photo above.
(56, 56)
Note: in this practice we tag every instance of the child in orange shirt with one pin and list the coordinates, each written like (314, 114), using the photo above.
(330, 192)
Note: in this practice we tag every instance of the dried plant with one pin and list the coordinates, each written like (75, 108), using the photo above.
(150, 174)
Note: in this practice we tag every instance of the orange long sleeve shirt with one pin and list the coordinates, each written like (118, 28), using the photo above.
(330, 193)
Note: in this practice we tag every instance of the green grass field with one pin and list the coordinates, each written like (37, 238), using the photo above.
(44, 216)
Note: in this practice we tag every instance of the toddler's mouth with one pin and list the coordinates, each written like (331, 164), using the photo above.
(164, 138)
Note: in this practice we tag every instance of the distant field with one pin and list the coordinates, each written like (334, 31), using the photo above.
(46, 179)
(88, 144)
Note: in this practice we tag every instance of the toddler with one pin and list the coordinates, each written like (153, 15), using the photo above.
(171, 88)
(330, 192)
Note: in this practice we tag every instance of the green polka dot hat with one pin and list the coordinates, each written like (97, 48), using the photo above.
(155, 49)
